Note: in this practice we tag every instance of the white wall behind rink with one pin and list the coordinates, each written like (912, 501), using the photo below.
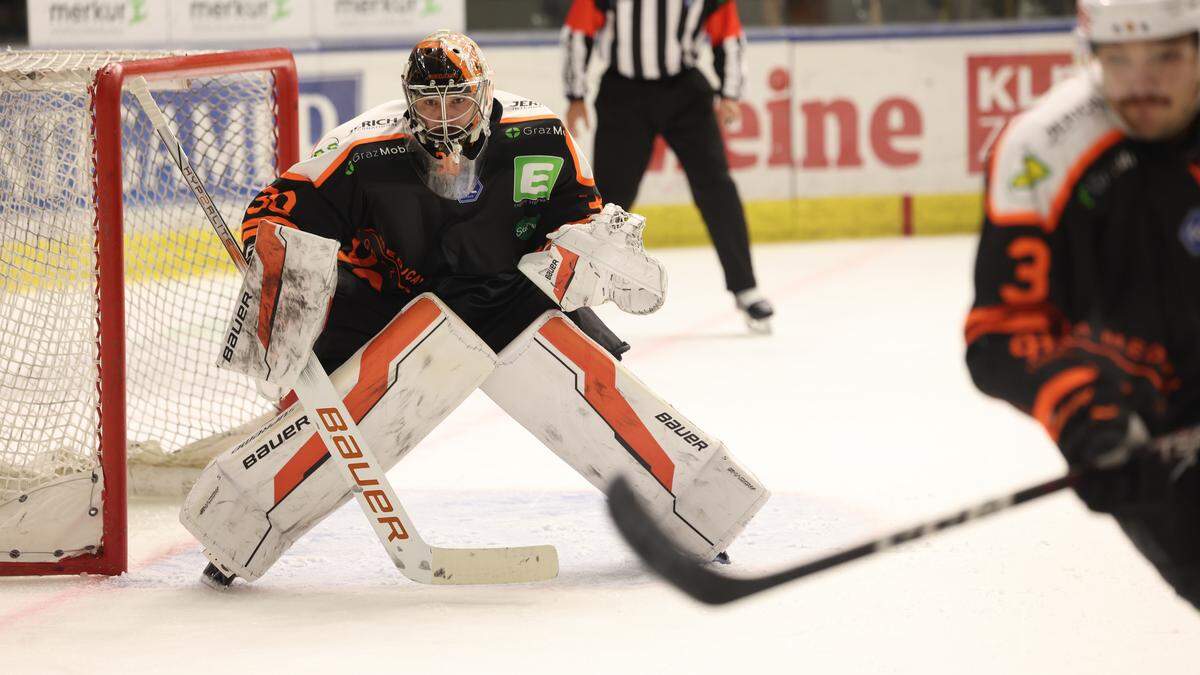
(821, 118)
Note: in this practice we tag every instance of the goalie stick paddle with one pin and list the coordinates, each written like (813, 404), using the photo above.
(702, 583)
(414, 558)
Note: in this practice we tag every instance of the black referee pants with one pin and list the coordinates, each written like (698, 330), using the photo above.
(630, 113)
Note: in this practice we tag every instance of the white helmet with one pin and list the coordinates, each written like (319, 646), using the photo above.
(1103, 21)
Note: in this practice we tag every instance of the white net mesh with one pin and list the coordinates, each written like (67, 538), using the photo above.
(179, 282)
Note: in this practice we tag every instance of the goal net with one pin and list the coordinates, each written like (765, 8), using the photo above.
(114, 292)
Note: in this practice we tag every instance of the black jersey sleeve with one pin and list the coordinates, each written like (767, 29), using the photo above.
(291, 202)
(1025, 346)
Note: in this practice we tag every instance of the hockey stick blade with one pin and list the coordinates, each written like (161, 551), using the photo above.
(415, 559)
(703, 584)
(515, 565)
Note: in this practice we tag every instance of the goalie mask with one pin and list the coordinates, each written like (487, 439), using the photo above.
(448, 88)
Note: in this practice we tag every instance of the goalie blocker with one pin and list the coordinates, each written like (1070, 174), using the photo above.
(255, 500)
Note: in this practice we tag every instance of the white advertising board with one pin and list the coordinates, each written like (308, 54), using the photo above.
(346, 20)
(226, 22)
(117, 24)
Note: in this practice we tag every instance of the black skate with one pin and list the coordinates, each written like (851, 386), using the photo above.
(213, 577)
(756, 310)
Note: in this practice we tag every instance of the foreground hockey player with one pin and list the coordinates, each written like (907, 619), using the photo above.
(1087, 307)
(428, 248)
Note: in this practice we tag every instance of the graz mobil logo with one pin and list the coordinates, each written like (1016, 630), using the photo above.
(551, 130)
(94, 12)
(238, 10)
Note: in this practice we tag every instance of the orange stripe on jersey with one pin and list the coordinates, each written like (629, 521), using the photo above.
(1006, 320)
(1046, 405)
(337, 161)
(532, 118)
(1015, 218)
(372, 384)
(1195, 172)
(579, 177)
(723, 24)
(1081, 165)
(585, 17)
(600, 391)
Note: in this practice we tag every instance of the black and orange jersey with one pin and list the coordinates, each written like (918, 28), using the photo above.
(361, 189)
(1088, 269)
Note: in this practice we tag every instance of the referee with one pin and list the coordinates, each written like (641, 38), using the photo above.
(651, 88)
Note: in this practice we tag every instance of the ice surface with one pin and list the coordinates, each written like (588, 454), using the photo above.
(857, 413)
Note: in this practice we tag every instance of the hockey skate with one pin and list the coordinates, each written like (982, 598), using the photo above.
(215, 578)
(756, 310)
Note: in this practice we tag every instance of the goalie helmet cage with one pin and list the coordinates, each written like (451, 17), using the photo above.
(114, 293)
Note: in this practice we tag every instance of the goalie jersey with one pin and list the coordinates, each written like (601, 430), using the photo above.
(360, 189)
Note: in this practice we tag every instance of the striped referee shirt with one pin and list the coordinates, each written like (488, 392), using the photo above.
(653, 39)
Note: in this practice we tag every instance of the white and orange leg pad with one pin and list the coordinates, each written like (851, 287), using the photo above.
(256, 499)
(594, 414)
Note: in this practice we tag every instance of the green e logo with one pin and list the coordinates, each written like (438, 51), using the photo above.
(534, 176)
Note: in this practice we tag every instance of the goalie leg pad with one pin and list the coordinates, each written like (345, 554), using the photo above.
(594, 414)
(259, 497)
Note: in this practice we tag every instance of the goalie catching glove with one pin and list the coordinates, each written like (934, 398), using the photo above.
(601, 259)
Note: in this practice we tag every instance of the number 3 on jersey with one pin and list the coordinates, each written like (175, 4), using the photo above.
(1032, 271)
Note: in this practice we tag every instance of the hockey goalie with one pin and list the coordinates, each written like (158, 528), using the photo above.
(447, 241)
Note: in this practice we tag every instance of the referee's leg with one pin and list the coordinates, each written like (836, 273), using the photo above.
(624, 140)
(690, 128)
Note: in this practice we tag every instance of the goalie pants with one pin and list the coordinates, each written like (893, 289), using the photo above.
(630, 114)
(497, 307)
(1167, 535)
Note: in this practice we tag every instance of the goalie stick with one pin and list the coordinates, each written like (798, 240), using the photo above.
(713, 588)
(416, 559)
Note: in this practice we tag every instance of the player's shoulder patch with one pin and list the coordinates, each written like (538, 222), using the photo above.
(524, 121)
(381, 123)
(516, 108)
(1045, 150)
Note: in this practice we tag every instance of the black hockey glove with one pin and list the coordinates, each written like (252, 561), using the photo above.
(1124, 472)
